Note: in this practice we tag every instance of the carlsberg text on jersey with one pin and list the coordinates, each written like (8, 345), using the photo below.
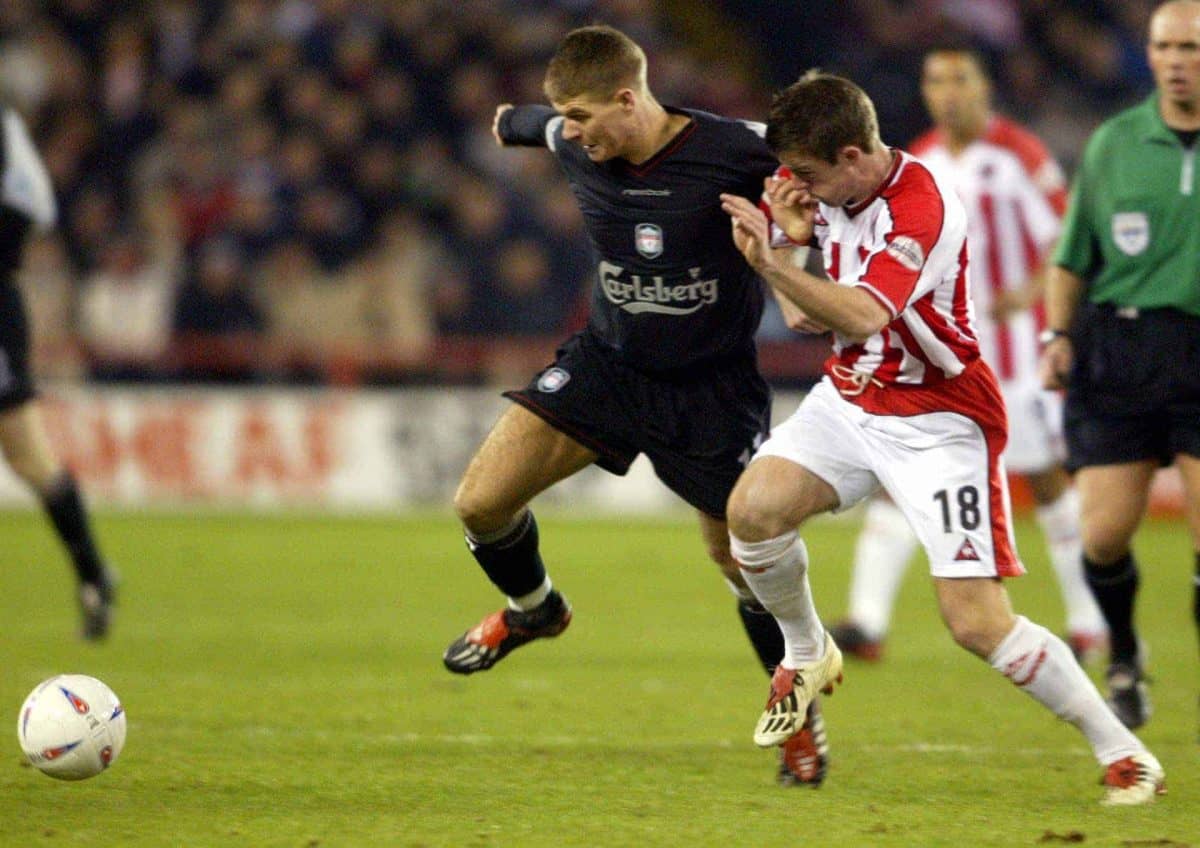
(636, 294)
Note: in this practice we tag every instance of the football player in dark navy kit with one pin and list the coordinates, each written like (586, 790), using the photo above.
(27, 203)
(667, 364)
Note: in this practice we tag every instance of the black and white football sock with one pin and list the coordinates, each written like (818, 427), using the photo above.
(511, 560)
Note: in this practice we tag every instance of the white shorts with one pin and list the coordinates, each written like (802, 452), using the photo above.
(1035, 439)
(940, 468)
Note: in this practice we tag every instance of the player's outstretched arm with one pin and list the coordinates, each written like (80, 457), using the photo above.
(524, 125)
(500, 110)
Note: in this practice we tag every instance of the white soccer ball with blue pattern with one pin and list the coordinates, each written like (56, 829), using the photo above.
(71, 727)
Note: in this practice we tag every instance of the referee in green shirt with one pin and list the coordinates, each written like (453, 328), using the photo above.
(1123, 337)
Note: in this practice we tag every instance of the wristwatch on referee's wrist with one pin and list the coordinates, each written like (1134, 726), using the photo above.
(1048, 335)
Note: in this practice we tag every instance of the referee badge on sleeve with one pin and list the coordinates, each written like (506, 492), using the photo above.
(1131, 232)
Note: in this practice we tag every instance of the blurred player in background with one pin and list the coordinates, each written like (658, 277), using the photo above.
(1014, 193)
(907, 404)
(667, 364)
(27, 204)
(1123, 311)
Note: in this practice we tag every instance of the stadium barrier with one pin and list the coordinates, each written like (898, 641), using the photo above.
(357, 450)
(270, 449)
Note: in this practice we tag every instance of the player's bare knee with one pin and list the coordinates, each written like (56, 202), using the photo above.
(752, 526)
(753, 521)
(977, 630)
(972, 636)
(35, 471)
(480, 511)
(1105, 549)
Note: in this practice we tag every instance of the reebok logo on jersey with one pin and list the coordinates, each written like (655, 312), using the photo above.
(966, 552)
(637, 294)
(907, 251)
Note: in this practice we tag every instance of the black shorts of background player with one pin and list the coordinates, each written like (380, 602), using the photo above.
(1123, 332)
(27, 204)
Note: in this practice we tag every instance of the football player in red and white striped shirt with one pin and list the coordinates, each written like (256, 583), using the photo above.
(907, 405)
(1015, 194)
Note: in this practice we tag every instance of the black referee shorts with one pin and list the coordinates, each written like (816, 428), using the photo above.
(1134, 392)
(16, 383)
(698, 431)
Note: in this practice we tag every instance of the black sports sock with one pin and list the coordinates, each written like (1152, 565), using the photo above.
(1114, 588)
(66, 510)
(513, 562)
(1196, 594)
(764, 633)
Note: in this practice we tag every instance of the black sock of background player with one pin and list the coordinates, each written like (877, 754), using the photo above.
(512, 562)
(1114, 588)
(68, 514)
(1196, 594)
(764, 633)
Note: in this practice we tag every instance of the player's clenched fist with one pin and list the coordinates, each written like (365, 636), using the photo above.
(1054, 368)
(793, 209)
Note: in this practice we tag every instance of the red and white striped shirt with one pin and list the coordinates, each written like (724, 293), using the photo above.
(905, 245)
(1015, 195)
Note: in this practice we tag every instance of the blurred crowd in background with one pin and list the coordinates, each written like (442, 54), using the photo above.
(308, 190)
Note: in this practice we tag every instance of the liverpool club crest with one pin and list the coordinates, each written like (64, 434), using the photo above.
(648, 238)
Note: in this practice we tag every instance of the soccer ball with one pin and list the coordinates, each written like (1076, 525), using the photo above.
(71, 727)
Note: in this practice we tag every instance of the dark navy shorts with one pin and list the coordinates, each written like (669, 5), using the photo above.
(1134, 392)
(699, 430)
(16, 383)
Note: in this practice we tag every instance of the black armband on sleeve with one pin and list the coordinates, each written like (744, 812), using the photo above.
(525, 126)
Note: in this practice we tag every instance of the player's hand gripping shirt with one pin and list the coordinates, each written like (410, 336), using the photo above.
(907, 246)
(671, 289)
(1015, 195)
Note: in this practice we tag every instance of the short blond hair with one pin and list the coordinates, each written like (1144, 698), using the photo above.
(596, 62)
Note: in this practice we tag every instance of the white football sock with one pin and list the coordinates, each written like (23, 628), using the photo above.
(1060, 524)
(885, 545)
(777, 570)
(1041, 664)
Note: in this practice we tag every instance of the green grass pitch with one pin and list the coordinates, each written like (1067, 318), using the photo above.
(283, 684)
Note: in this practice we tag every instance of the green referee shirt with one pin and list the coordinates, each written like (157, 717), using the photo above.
(1132, 229)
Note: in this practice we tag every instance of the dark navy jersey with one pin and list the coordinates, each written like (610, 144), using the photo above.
(671, 290)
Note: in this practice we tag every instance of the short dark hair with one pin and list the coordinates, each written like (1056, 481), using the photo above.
(962, 48)
(594, 61)
(819, 114)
